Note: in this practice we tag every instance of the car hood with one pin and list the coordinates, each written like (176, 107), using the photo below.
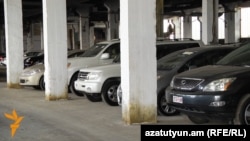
(107, 67)
(215, 71)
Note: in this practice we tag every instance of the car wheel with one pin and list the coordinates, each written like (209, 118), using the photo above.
(41, 83)
(163, 108)
(109, 93)
(197, 120)
(94, 97)
(72, 86)
(243, 112)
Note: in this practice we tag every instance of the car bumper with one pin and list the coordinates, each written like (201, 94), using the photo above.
(218, 105)
(88, 87)
(29, 80)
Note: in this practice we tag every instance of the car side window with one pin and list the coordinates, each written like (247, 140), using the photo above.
(113, 50)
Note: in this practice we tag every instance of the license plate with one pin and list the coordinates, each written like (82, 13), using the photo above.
(178, 99)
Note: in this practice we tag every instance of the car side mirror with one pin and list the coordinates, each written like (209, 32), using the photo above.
(105, 56)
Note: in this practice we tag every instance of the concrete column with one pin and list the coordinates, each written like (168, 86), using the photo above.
(113, 19)
(55, 49)
(138, 45)
(187, 26)
(159, 17)
(84, 27)
(14, 41)
(92, 36)
(232, 25)
(210, 21)
(177, 23)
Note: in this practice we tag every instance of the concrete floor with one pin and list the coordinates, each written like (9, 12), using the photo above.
(76, 119)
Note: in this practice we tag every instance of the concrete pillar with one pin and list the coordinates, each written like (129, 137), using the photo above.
(177, 24)
(187, 26)
(232, 25)
(138, 45)
(55, 49)
(159, 17)
(210, 21)
(84, 27)
(113, 19)
(14, 41)
(92, 36)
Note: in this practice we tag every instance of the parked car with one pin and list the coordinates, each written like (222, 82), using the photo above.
(99, 54)
(32, 53)
(32, 60)
(180, 61)
(215, 92)
(34, 75)
(101, 82)
(26, 54)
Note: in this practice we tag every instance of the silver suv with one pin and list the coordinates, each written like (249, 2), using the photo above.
(101, 82)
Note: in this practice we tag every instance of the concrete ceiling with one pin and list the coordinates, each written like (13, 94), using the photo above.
(32, 9)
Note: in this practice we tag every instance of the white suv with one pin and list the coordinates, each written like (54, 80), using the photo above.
(101, 82)
(100, 54)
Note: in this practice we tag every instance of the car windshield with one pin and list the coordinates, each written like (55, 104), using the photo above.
(239, 57)
(172, 60)
(93, 51)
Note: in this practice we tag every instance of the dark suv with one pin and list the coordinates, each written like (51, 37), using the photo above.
(181, 61)
(215, 92)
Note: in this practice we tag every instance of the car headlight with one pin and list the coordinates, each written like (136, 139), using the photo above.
(93, 75)
(219, 85)
(31, 72)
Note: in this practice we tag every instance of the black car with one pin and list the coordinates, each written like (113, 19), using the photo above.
(29, 61)
(181, 61)
(216, 92)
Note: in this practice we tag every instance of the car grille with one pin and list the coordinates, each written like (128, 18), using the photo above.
(82, 75)
(187, 84)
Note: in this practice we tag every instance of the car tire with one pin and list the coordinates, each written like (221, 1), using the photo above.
(163, 108)
(243, 111)
(94, 97)
(72, 86)
(109, 92)
(41, 83)
(198, 120)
